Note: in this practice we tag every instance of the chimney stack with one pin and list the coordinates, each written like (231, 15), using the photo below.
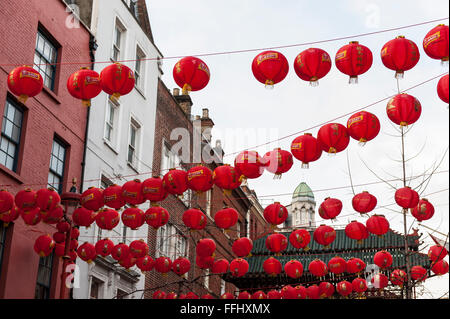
(184, 101)
(207, 125)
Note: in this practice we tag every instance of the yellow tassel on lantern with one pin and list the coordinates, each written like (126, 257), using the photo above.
(186, 89)
(23, 98)
(86, 103)
(115, 97)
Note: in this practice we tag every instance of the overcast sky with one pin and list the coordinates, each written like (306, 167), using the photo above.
(239, 104)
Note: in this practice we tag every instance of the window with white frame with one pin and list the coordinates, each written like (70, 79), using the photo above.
(169, 159)
(96, 288)
(208, 202)
(239, 229)
(111, 121)
(170, 242)
(118, 40)
(133, 143)
(139, 68)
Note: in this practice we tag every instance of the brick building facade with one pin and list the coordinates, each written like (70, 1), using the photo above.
(42, 141)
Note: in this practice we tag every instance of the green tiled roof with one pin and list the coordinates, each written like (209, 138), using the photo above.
(303, 190)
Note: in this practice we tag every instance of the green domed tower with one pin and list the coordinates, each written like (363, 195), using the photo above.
(302, 208)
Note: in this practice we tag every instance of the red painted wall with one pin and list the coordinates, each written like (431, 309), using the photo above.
(48, 114)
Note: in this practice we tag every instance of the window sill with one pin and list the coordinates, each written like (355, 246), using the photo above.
(108, 143)
(11, 174)
(133, 167)
(52, 95)
(140, 91)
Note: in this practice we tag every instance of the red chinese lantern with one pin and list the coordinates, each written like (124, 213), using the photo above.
(439, 267)
(288, 292)
(242, 247)
(10, 215)
(194, 218)
(44, 245)
(363, 126)
(104, 247)
(107, 219)
(25, 82)
(191, 74)
(353, 59)
(156, 216)
(333, 137)
(128, 261)
(238, 267)
(112, 197)
(437, 252)
(181, 265)
(423, 211)
(199, 179)
(83, 217)
(175, 182)
(344, 288)
(357, 231)
(301, 292)
(26, 199)
(191, 295)
(293, 269)
(273, 294)
(31, 217)
(47, 199)
(205, 247)
(312, 65)
(116, 80)
(87, 252)
(313, 292)
(383, 259)
(318, 268)
(220, 266)
(306, 148)
(380, 281)
(153, 190)
(138, 248)
(418, 273)
(63, 226)
(163, 265)
(403, 109)
(6, 201)
(171, 295)
(132, 192)
(206, 296)
(60, 249)
(398, 277)
(442, 88)
(359, 285)
(84, 84)
(249, 164)
(275, 214)
(272, 266)
(133, 217)
(406, 197)
(244, 295)
(270, 67)
(92, 198)
(158, 294)
(326, 289)
(324, 235)
(227, 178)
(300, 238)
(204, 262)
(226, 218)
(355, 265)
(330, 208)
(337, 265)
(259, 295)
(73, 244)
(377, 225)
(59, 237)
(278, 162)
(227, 295)
(276, 243)
(53, 216)
(364, 202)
(120, 251)
(400, 54)
(435, 43)
(145, 263)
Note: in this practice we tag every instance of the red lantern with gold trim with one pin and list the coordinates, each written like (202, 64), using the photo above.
(242, 247)
(117, 80)
(26, 199)
(191, 295)
(112, 197)
(47, 199)
(337, 265)
(163, 264)
(324, 235)
(306, 148)
(128, 261)
(132, 192)
(25, 82)
(156, 216)
(120, 251)
(437, 252)
(442, 88)
(403, 109)
(60, 249)
(380, 281)
(330, 208)
(406, 197)
(364, 202)
(145, 263)
(333, 138)
(326, 289)
(31, 217)
(199, 178)
(312, 64)
(353, 59)
(227, 295)
(275, 214)
(363, 126)
(226, 218)
(63, 226)
(300, 292)
(435, 43)
(398, 277)
(84, 85)
(53, 216)
(359, 285)
(158, 294)
(204, 262)
(83, 217)
(423, 211)
(344, 288)
(355, 265)
(383, 259)
(138, 248)
(270, 67)
(259, 295)
(439, 267)
(293, 269)
(6, 201)
(313, 292)
(400, 55)
(244, 295)
(133, 217)
(418, 273)
(318, 268)
(44, 245)
(153, 190)
(191, 74)
(220, 266)
(104, 247)
(194, 218)
(300, 238)
(276, 243)
(249, 164)
(227, 178)
(238, 267)
(92, 198)
(278, 162)
(10, 215)
(59, 237)
(273, 294)
(205, 247)
(377, 225)
(87, 252)
(172, 295)
(107, 218)
(175, 182)
(288, 292)
(181, 265)
(272, 266)
(357, 231)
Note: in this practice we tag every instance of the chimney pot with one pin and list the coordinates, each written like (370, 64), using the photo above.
(176, 91)
(205, 113)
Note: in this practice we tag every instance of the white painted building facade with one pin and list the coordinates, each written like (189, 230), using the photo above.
(120, 140)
